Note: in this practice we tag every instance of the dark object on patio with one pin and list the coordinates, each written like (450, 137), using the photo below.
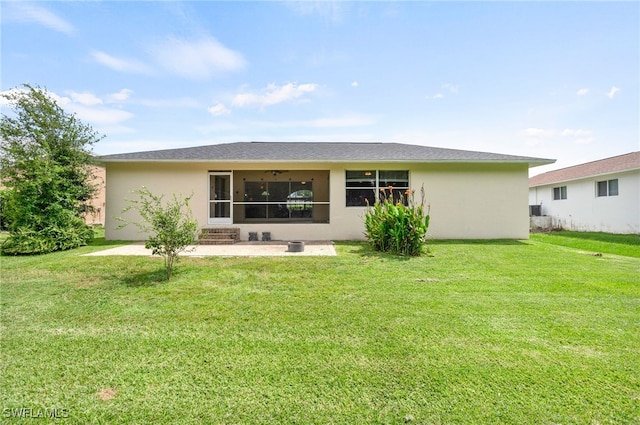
(295, 246)
(266, 236)
(253, 236)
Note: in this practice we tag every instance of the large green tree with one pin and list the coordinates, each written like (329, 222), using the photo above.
(45, 168)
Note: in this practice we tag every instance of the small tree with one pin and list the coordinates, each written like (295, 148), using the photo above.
(170, 226)
(397, 224)
(45, 168)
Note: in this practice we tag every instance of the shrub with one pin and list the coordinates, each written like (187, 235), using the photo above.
(27, 241)
(170, 225)
(396, 224)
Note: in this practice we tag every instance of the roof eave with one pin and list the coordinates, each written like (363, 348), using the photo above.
(591, 176)
(534, 162)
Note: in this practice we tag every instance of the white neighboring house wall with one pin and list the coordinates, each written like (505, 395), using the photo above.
(584, 210)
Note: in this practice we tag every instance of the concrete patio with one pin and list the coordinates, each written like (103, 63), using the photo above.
(240, 249)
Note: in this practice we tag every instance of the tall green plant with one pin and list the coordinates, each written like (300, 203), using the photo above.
(397, 224)
(45, 158)
(169, 225)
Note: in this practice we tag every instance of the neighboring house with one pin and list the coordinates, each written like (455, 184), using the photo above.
(98, 202)
(602, 196)
(319, 191)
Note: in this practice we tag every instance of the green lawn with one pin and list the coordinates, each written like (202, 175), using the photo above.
(628, 245)
(530, 332)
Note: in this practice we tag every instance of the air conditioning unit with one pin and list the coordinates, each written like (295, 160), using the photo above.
(535, 210)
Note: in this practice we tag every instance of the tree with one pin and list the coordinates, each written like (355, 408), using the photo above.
(45, 163)
(170, 226)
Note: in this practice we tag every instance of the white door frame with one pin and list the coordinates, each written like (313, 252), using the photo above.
(212, 198)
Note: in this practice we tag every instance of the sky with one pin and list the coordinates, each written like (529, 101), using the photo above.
(553, 80)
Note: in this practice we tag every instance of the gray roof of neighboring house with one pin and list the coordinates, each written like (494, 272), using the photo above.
(318, 152)
(629, 161)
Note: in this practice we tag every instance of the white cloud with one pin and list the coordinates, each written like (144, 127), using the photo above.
(60, 100)
(196, 59)
(582, 92)
(449, 87)
(354, 84)
(11, 92)
(576, 132)
(613, 92)
(120, 96)
(452, 88)
(577, 135)
(538, 132)
(100, 115)
(219, 109)
(85, 98)
(26, 12)
(584, 141)
(132, 66)
(273, 94)
(333, 11)
(86, 106)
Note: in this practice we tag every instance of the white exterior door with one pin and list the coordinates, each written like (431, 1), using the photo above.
(220, 197)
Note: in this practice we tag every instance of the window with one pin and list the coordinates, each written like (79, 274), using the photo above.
(607, 188)
(282, 196)
(278, 200)
(363, 186)
(559, 193)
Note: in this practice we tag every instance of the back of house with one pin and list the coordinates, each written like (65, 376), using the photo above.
(320, 191)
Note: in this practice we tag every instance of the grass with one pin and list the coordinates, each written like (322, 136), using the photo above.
(512, 332)
(628, 245)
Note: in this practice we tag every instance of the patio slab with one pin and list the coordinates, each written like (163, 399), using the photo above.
(240, 249)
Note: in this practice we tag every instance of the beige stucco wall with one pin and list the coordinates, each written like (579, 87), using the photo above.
(476, 201)
(468, 201)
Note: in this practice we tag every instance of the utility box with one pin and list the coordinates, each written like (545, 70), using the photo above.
(535, 210)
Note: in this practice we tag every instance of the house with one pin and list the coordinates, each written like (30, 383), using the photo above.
(319, 191)
(602, 196)
(98, 202)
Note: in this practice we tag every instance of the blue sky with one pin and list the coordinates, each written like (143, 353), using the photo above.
(554, 80)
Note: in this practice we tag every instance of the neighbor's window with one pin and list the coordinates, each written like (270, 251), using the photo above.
(559, 193)
(363, 186)
(607, 188)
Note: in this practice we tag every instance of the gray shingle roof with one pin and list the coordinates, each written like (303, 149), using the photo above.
(629, 161)
(318, 152)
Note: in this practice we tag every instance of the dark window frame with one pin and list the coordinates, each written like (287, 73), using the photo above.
(606, 188)
(559, 193)
(362, 186)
